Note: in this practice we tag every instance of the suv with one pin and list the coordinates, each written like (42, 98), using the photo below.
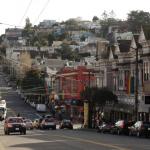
(14, 124)
(122, 127)
(140, 128)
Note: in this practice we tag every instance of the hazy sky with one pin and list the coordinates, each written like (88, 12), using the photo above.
(13, 11)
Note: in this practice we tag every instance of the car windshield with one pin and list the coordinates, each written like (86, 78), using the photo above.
(67, 121)
(15, 120)
(2, 102)
(146, 124)
(49, 120)
(28, 120)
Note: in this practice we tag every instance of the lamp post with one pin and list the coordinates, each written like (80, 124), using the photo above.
(139, 46)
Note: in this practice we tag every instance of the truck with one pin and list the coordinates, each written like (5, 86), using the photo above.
(3, 110)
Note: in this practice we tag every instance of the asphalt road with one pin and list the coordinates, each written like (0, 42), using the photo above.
(14, 103)
(70, 140)
(60, 139)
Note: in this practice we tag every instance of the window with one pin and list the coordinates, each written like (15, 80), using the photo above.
(146, 71)
(147, 99)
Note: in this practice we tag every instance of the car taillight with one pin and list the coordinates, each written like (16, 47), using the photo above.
(9, 125)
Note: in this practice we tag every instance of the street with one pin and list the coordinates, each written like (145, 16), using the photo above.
(77, 139)
(70, 140)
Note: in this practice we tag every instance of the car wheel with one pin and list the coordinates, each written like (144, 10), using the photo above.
(54, 128)
(5, 132)
(130, 133)
(138, 134)
(118, 132)
(24, 132)
(111, 131)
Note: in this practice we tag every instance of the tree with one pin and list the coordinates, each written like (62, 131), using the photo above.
(25, 62)
(136, 19)
(107, 21)
(72, 24)
(66, 52)
(28, 32)
(33, 83)
(83, 38)
(51, 38)
(95, 18)
(99, 96)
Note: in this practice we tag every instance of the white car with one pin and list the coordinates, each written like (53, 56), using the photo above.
(3, 102)
(29, 124)
(41, 107)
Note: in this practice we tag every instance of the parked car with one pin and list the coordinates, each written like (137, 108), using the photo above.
(121, 127)
(140, 128)
(29, 124)
(48, 123)
(36, 123)
(66, 124)
(14, 124)
(105, 127)
(41, 107)
(48, 116)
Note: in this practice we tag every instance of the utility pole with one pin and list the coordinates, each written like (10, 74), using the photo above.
(89, 102)
(136, 82)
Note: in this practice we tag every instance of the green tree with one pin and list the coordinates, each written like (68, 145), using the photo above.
(95, 18)
(82, 38)
(51, 38)
(71, 24)
(33, 82)
(28, 32)
(99, 96)
(137, 18)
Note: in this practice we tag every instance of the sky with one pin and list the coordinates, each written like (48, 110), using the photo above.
(14, 12)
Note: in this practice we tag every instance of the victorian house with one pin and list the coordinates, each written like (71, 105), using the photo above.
(118, 64)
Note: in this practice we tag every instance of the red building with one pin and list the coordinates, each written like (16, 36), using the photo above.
(73, 80)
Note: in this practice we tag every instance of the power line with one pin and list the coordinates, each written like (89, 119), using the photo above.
(28, 6)
(46, 4)
(7, 24)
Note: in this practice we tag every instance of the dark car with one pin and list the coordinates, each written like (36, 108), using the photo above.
(66, 124)
(140, 128)
(14, 124)
(105, 127)
(122, 127)
(48, 123)
(48, 116)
